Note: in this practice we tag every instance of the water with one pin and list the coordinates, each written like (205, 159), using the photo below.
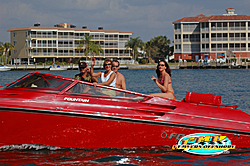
(232, 85)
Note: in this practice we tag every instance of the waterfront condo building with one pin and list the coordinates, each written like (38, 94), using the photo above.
(59, 43)
(212, 37)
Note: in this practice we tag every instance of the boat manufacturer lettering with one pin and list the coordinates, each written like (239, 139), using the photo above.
(204, 144)
(76, 99)
(172, 135)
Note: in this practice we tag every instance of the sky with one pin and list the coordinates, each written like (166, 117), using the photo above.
(145, 18)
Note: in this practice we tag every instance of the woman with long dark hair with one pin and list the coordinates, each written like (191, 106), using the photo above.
(164, 82)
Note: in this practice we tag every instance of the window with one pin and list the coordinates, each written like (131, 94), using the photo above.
(41, 82)
(85, 89)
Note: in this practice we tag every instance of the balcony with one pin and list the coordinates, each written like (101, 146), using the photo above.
(205, 49)
(177, 40)
(219, 28)
(237, 38)
(177, 30)
(205, 29)
(65, 45)
(44, 54)
(43, 36)
(237, 28)
(112, 38)
(124, 39)
(43, 45)
(219, 39)
(111, 46)
(191, 40)
(66, 36)
(205, 39)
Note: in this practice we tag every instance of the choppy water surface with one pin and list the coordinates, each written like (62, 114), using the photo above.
(232, 85)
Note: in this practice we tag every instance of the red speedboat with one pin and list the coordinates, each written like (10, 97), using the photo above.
(45, 109)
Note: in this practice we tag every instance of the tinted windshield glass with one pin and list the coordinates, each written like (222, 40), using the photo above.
(90, 90)
(38, 81)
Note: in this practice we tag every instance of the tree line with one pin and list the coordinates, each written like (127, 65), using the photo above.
(156, 47)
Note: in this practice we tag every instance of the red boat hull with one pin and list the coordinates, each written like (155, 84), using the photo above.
(50, 110)
(91, 132)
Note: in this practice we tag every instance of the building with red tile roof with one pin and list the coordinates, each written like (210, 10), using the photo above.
(213, 37)
(59, 43)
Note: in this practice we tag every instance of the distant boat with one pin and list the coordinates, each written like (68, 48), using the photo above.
(5, 68)
(57, 68)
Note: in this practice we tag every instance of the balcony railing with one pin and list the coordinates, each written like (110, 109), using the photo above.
(205, 29)
(43, 36)
(43, 45)
(112, 38)
(191, 40)
(219, 39)
(205, 39)
(205, 49)
(219, 49)
(177, 40)
(65, 45)
(237, 28)
(111, 46)
(219, 28)
(237, 38)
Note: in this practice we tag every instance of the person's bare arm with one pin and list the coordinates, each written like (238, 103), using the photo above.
(123, 83)
(92, 70)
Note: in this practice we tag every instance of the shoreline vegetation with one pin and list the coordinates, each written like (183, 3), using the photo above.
(173, 66)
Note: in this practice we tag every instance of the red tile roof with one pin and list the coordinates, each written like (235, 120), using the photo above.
(230, 8)
(204, 18)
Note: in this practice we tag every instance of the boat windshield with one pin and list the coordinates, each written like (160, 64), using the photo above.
(86, 89)
(41, 82)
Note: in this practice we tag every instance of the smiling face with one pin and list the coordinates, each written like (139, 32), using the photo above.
(86, 69)
(107, 64)
(115, 66)
(161, 66)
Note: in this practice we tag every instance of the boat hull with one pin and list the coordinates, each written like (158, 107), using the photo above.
(5, 68)
(58, 68)
(84, 131)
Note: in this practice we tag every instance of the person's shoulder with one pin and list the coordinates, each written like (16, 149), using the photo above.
(120, 75)
(77, 76)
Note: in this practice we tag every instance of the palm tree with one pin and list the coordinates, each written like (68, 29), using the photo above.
(134, 44)
(84, 44)
(1, 50)
(7, 47)
(93, 49)
(150, 48)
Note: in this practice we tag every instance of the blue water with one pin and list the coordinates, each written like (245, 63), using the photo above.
(232, 84)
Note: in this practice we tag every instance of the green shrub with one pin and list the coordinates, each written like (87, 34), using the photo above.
(247, 60)
(143, 61)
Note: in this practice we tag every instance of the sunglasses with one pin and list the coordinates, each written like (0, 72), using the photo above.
(107, 64)
(115, 66)
(161, 65)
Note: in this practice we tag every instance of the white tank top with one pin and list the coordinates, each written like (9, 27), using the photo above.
(105, 79)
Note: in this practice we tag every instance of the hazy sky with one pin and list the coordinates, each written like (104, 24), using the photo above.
(146, 18)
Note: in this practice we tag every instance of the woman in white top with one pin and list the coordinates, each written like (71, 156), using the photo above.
(108, 78)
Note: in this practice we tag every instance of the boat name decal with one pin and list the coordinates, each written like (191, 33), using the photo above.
(172, 135)
(204, 144)
(76, 99)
